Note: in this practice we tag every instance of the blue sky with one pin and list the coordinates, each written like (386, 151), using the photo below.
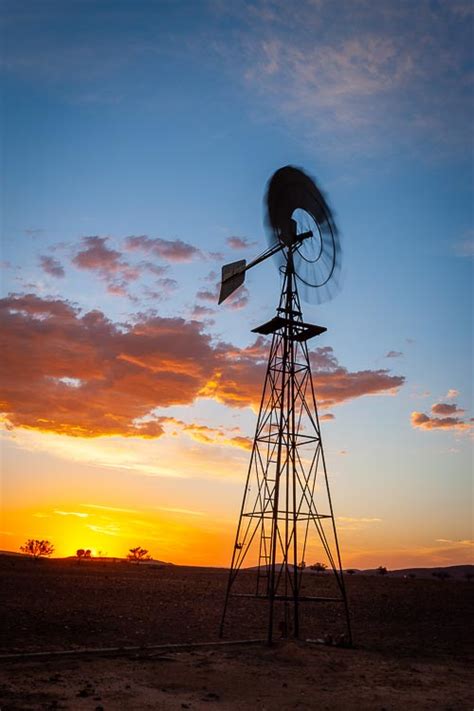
(165, 120)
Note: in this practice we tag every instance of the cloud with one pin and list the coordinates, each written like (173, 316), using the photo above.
(200, 311)
(82, 375)
(239, 242)
(124, 372)
(394, 354)
(51, 266)
(422, 421)
(327, 416)
(186, 512)
(451, 394)
(352, 519)
(208, 435)
(213, 435)
(237, 300)
(239, 384)
(377, 71)
(356, 523)
(71, 513)
(109, 508)
(96, 256)
(444, 408)
(171, 250)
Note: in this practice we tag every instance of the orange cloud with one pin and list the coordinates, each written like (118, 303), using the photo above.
(422, 421)
(83, 375)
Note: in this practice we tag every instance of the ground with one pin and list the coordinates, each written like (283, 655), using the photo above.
(412, 642)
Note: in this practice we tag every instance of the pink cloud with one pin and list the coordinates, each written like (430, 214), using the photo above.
(51, 266)
(96, 256)
(239, 242)
(237, 300)
(444, 408)
(171, 250)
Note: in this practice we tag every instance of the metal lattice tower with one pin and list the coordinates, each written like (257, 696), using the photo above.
(286, 508)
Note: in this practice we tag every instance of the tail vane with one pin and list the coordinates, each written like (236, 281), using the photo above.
(233, 276)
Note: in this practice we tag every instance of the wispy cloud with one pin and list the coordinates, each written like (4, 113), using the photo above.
(186, 512)
(102, 507)
(465, 542)
(78, 514)
(376, 70)
(355, 519)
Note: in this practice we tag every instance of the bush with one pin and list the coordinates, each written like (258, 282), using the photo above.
(318, 567)
(36, 548)
(138, 554)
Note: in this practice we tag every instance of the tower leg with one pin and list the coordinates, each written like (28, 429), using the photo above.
(289, 513)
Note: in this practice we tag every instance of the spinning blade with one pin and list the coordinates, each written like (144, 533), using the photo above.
(293, 195)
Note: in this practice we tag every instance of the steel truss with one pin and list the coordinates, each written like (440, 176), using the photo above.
(286, 503)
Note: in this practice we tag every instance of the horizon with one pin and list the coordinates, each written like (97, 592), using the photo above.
(137, 154)
(219, 567)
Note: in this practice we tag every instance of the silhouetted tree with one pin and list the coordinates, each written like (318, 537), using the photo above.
(138, 554)
(350, 571)
(318, 567)
(302, 565)
(382, 570)
(83, 553)
(36, 549)
(440, 574)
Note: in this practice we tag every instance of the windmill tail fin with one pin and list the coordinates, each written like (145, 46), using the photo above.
(233, 276)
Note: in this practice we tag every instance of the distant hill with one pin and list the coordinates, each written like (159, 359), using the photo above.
(456, 572)
(85, 561)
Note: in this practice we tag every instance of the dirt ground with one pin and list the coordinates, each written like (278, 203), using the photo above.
(413, 642)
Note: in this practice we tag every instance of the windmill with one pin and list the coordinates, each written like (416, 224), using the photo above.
(286, 510)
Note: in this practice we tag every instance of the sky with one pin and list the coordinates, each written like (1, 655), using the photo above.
(137, 142)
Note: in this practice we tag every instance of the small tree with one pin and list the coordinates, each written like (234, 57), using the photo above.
(138, 554)
(302, 565)
(382, 570)
(36, 549)
(318, 567)
(350, 571)
(83, 553)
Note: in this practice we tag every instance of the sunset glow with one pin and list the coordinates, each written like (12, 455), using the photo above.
(136, 158)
